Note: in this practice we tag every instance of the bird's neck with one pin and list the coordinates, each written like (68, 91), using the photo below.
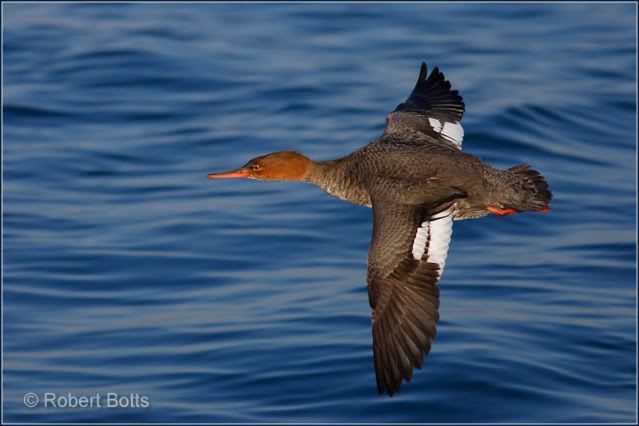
(338, 179)
(322, 173)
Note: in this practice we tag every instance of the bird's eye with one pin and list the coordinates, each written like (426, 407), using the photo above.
(255, 166)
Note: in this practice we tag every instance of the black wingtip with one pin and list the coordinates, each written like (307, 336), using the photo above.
(423, 72)
(433, 93)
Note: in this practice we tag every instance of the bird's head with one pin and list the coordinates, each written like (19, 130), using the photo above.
(286, 165)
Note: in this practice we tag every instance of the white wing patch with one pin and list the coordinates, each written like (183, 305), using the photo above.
(435, 124)
(452, 132)
(433, 238)
(421, 238)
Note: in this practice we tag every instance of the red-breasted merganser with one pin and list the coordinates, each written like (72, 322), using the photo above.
(417, 180)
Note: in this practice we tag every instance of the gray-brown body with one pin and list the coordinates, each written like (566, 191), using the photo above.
(420, 173)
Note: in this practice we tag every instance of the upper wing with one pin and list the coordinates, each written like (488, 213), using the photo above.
(406, 259)
(431, 113)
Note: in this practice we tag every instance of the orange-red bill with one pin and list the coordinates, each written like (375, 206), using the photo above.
(229, 175)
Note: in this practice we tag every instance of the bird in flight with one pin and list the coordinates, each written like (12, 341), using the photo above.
(417, 181)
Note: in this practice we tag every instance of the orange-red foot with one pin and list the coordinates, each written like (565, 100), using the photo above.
(501, 212)
(545, 209)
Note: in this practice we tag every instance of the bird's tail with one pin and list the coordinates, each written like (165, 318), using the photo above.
(526, 190)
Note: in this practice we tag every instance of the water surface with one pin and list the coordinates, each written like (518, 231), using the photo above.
(126, 271)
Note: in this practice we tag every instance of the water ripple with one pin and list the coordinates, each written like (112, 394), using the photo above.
(126, 271)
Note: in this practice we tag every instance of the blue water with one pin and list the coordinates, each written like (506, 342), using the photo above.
(126, 271)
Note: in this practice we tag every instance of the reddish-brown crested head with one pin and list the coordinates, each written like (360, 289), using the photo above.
(286, 165)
